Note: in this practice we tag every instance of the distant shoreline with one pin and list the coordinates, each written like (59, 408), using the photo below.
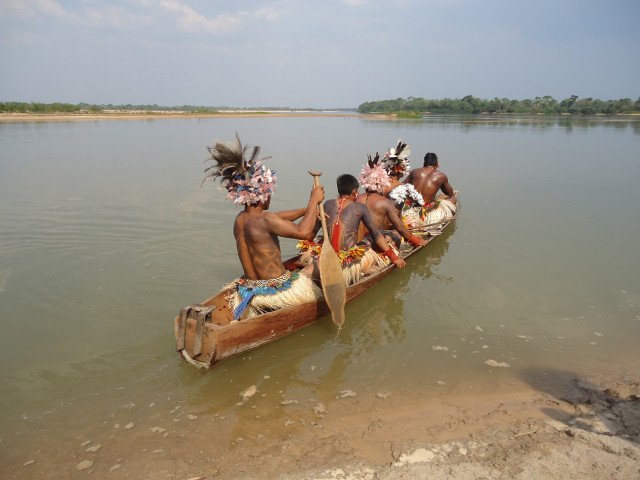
(52, 117)
(123, 115)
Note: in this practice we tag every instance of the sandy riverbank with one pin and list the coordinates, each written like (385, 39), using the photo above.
(560, 426)
(575, 430)
(548, 425)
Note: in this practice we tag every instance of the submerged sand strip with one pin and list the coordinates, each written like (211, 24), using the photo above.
(73, 117)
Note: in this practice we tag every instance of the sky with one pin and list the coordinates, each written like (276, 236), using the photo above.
(317, 54)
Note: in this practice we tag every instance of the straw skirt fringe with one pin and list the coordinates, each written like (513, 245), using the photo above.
(371, 262)
(302, 290)
(444, 212)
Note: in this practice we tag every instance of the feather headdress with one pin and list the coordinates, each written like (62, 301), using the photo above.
(395, 159)
(406, 194)
(247, 180)
(374, 177)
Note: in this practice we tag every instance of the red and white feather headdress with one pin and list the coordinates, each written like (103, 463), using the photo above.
(374, 177)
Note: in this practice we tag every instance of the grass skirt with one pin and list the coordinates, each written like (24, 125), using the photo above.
(419, 217)
(300, 290)
(357, 262)
(371, 262)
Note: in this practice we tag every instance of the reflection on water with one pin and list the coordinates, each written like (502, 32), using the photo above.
(105, 233)
(381, 315)
(538, 123)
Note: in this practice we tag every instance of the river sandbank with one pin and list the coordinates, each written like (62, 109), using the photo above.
(546, 426)
(75, 117)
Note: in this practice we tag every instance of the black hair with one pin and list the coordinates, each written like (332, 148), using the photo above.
(346, 184)
(430, 160)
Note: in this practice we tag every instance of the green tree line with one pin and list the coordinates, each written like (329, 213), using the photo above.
(473, 105)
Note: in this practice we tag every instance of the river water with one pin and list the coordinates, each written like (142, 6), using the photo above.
(105, 233)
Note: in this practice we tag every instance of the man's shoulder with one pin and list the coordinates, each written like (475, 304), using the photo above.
(330, 204)
(382, 200)
(240, 220)
(253, 220)
(418, 172)
(360, 208)
(267, 217)
(258, 225)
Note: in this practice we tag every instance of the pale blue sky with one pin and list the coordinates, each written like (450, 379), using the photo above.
(329, 53)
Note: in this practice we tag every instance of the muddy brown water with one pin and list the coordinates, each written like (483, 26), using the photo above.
(105, 233)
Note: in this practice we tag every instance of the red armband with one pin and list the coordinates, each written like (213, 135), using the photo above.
(390, 254)
(415, 241)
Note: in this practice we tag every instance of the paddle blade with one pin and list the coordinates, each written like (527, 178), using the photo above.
(333, 286)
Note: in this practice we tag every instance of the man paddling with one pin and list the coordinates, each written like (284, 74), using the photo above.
(428, 180)
(375, 179)
(266, 284)
(344, 216)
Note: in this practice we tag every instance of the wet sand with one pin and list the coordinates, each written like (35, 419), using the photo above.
(543, 427)
(580, 431)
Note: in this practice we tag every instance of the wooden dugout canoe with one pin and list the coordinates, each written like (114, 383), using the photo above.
(206, 333)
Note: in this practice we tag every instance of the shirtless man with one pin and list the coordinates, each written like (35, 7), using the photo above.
(266, 284)
(428, 181)
(256, 232)
(344, 218)
(375, 179)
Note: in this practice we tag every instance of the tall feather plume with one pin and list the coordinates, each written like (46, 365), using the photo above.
(372, 162)
(399, 149)
(228, 161)
(402, 150)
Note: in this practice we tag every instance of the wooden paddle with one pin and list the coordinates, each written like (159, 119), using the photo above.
(331, 278)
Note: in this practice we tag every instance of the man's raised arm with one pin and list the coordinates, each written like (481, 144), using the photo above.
(291, 215)
(304, 230)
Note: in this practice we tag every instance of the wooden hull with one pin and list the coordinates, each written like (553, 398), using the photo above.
(207, 333)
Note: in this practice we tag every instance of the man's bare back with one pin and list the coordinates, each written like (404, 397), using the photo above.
(352, 215)
(257, 231)
(385, 216)
(428, 180)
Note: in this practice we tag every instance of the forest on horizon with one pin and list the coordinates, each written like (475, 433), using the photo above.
(472, 105)
(411, 106)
